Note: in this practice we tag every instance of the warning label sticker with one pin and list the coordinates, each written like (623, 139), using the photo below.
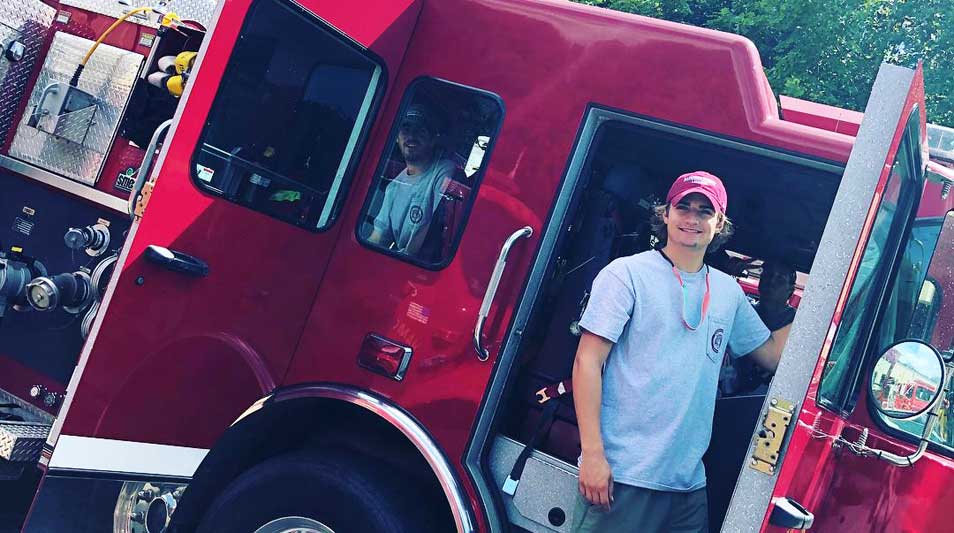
(204, 173)
(24, 226)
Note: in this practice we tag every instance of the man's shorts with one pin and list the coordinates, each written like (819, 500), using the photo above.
(644, 510)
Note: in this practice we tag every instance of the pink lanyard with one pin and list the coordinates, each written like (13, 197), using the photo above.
(705, 298)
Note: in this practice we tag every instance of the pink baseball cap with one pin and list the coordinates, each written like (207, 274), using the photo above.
(704, 183)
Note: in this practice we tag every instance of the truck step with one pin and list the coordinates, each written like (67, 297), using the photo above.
(22, 442)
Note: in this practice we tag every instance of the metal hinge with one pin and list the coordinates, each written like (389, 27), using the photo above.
(143, 200)
(768, 441)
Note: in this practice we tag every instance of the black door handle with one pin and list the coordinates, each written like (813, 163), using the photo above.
(177, 261)
(790, 514)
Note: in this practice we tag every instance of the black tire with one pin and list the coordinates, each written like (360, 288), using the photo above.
(337, 489)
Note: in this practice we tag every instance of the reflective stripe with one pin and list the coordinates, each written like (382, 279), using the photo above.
(107, 455)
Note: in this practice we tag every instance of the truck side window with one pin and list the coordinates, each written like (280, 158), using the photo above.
(289, 116)
(929, 315)
(427, 181)
(858, 333)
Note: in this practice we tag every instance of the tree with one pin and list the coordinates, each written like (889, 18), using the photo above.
(828, 51)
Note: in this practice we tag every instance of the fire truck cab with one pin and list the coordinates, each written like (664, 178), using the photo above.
(368, 239)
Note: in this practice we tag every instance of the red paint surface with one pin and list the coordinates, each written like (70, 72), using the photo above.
(18, 379)
(283, 305)
(821, 116)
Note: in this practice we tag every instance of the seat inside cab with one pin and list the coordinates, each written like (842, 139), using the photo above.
(779, 205)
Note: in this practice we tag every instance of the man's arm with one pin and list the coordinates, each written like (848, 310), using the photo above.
(770, 352)
(596, 478)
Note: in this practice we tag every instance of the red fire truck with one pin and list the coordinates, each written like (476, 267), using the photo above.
(265, 357)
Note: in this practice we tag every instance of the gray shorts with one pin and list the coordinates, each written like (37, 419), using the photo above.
(636, 509)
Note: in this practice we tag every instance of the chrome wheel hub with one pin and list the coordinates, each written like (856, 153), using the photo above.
(294, 524)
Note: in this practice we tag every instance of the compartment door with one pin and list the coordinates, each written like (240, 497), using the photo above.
(822, 372)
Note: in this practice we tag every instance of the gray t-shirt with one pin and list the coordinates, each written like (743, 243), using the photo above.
(660, 379)
(409, 205)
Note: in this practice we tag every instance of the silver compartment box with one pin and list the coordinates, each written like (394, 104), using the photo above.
(200, 11)
(77, 148)
(23, 23)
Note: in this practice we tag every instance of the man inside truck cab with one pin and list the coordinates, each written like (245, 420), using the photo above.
(776, 287)
(740, 375)
(411, 200)
(660, 321)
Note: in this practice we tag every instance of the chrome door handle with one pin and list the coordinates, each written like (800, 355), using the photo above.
(177, 261)
(525, 232)
(146, 165)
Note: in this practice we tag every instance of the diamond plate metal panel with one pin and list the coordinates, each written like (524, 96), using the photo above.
(200, 11)
(76, 125)
(27, 411)
(26, 21)
(109, 76)
(22, 441)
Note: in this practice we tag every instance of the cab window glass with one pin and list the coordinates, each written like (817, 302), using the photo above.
(427, 181)
(930, 315)
(857, 330)
(290, 113)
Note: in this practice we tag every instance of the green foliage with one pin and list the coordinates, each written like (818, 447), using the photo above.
(829, 51)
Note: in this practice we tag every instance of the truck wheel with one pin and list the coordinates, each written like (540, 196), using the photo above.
(315, 491)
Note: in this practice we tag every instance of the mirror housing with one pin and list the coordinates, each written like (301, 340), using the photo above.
(907, 380)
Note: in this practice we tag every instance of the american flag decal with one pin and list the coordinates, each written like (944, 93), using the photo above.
(418, 312)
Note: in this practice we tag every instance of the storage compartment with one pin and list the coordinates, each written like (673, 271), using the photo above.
(779, 205)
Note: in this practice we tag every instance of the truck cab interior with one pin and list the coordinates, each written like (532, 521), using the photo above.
(779, 204)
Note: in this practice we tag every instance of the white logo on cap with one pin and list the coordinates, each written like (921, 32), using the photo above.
(700, 180)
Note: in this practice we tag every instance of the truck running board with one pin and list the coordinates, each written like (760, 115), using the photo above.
(22, 442)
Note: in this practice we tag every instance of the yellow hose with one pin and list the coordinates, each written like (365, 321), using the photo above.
(112, 27)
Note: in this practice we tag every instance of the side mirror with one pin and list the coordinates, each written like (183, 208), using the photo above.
(907, 380)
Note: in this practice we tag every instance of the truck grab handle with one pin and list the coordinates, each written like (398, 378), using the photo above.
(525, 232)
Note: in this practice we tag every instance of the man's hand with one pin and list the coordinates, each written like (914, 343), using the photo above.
(596, 480)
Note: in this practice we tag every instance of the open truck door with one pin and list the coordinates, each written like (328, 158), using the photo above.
(814, 456)
(273, 126)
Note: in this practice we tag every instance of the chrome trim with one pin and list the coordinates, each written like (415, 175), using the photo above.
(146, 166)
(88, 454)
(411, 429)
(402, 366)
(294, 524)
(96, 278)
(73, 187)
(525, 232)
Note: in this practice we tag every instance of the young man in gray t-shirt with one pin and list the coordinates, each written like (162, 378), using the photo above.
(660, 321)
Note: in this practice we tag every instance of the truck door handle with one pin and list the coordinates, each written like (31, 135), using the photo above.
(177, 261)
(790, 514)
(525, 232)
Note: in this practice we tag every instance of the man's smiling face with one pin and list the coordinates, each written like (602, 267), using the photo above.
(416, 142)
(692, 222)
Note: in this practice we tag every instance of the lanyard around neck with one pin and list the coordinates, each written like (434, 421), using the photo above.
(705, 297)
